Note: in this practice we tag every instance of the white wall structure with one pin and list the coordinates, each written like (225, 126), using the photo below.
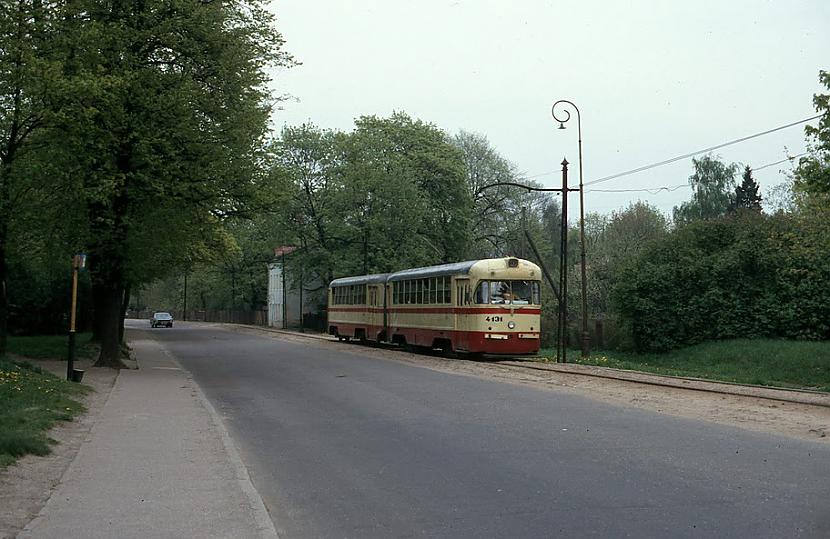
(284, 296)
(276, 297)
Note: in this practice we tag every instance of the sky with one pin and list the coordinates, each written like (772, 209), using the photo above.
(653, 79)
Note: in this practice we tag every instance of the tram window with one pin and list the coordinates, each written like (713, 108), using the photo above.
(521, 292)
(447, 291)
(427, 291)
(433, 288)
(482, 292)
(514, 292)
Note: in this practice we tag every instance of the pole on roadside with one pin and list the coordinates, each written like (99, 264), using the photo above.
(562, 330)
(585, 335)
(78, 262)
(284, 295)
(184, 299)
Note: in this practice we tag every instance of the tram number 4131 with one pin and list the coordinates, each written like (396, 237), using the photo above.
(494, 319)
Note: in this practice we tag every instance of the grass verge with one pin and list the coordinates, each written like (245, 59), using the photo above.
(33, 400)
(52, 346)
(766, 362)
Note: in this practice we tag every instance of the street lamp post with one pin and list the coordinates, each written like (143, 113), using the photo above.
(72, 374)
(561, 292)
(586, 338)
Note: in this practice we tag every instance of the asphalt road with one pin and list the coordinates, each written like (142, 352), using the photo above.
(341, 445)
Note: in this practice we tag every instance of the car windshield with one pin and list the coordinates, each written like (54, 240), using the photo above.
(163, 315)
(512, 292)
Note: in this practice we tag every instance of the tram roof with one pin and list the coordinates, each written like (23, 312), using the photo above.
(360, 279)
(455, 268)
(434, 271)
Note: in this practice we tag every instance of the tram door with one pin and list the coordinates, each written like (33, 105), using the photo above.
(462, 320)
(376, 312)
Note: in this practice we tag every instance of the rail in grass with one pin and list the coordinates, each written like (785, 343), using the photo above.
(490, 306)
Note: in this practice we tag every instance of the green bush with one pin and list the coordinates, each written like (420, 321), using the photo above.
(744, 276)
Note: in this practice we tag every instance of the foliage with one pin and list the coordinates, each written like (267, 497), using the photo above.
(28, 70)
(391, 194)
(612, 242)
(162, 119)
(813, 173)
(745, 276)
(766, 362)
(746, 194)
(495, 226)
(713, 185)
(32, 402)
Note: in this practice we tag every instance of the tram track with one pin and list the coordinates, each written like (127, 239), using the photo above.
(790, 395)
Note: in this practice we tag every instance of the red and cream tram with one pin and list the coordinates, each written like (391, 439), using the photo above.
(489, 306)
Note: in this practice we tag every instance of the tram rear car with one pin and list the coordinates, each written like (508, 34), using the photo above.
(489, 306)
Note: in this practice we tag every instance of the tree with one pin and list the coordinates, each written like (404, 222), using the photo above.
(713, 184)
(746, 194)
(748, 277)
(389, 195)
(616, 241)
(495, 222)
(27, 78)
(165, 114)
(812, 176)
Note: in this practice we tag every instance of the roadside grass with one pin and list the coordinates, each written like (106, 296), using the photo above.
(32, 400)
(766, 362)
(51, 346)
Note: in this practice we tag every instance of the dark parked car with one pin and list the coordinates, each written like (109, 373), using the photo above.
(161, 319)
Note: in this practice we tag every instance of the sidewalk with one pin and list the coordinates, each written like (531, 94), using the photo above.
(156, 463)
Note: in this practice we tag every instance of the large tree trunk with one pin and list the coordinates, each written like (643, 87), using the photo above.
(111, 294)
(107, 273)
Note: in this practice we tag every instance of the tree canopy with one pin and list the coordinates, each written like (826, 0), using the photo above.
(713, 186)
(156, 115)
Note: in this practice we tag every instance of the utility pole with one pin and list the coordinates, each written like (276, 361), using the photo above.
(563, 270)
(585, 336)
(78, 262)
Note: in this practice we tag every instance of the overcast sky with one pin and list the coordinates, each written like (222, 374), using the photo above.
(652, 79)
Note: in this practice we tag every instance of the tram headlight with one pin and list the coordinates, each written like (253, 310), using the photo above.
(511, 324)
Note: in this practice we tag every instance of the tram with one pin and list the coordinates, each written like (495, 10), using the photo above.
(490, 306)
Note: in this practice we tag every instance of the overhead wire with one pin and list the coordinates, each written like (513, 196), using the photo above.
(698, 152)
(690, 154)
(656, 190)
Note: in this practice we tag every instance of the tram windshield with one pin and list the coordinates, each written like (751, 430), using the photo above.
(508, 292)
